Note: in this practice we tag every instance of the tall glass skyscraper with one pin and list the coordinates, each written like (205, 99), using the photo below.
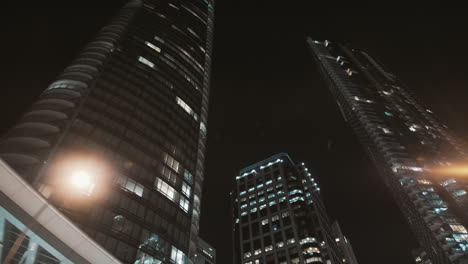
(279, 217)
(126, 124)
(409, 146)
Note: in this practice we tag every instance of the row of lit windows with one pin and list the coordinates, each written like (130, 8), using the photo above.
(260, 186)
(172, 194)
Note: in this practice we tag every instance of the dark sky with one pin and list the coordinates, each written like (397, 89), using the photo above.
(267, 96)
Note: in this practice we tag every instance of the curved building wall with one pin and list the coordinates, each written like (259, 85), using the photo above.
(131, 111)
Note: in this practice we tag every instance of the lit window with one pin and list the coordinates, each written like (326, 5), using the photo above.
(461, 237)
(258, 251)
(166, 189)
(171, 162)
(193, 32)
(173, 6)
(169, 175)
(295, 191)
(130, 185)
(186, 107)
(311, 250)
(177, 256)
(280, 244)
(447, 182)
(203, 127)
(386, 130)
(184, 204)
(458, 228)
(159, 39)
(154, 47)
(295, 199)
(314, 260)
(188, 177)
(247, 254)
(146, 62)
(186, 189)
(264, 222)
(307, 240)
(422, 181)
(459, 193)
(268, 248)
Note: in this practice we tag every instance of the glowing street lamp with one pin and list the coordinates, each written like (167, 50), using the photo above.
(82, 180)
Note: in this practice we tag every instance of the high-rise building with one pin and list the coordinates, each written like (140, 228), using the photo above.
(279, 216)
(412, 150)
(126, 124)
(344, 244)
(206, 254)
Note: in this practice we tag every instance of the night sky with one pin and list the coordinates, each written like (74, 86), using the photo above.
(267, 96)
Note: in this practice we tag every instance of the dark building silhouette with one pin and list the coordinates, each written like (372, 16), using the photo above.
(206, 254)
(126, 124)
(279, 216)
(412, 150)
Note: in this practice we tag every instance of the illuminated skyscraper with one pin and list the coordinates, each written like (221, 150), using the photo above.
(409, 146)
(279, 216)
(126, 123)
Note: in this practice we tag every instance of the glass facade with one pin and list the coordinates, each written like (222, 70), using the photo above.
(407, 144)
(126, 121)
(279, 217)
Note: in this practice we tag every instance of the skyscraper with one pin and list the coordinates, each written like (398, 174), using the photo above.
(412, 150)
(126, 123)
(279, 217)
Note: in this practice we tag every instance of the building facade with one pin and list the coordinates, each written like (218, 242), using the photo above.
(412, 150)
(279, 217)
(206, 254)
(344, 244)
(126, 124)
